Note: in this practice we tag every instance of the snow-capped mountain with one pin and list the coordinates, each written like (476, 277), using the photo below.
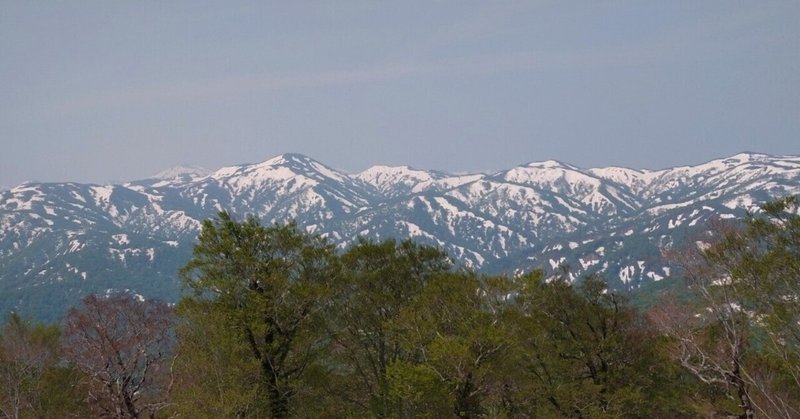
(190, 172)
(59, 241)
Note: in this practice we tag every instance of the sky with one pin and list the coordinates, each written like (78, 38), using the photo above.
(99, 91)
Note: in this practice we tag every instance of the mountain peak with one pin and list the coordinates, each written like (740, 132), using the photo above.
(181, 171)
(396, 179)
(279, 169)
(385, 172)
(303, 165)
(548, 164)
(747, 156)
(541, 214)
(288, 159)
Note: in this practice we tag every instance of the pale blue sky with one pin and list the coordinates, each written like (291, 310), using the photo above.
(94, 91)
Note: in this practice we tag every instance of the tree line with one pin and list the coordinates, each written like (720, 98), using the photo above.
(276, 323)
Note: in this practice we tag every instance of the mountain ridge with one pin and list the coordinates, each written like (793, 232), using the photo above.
(77, 238)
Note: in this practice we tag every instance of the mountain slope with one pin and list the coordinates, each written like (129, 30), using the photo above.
(62, 240)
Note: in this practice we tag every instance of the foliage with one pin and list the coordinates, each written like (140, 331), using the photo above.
(265, 287)
(452, 333)
(584, 352)
(391, 330)
(378, 282)
(216, 373)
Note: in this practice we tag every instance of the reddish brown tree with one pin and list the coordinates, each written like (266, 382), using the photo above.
(125, 345)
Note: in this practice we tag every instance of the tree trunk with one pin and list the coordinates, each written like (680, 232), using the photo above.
(741, 391)
(278, 400)
(130, 407)
(466, 404)
(278, 403)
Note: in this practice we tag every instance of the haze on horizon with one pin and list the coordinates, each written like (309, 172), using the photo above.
(98, 92)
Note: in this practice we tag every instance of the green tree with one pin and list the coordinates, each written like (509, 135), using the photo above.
(263, 287)
(454, 333)
(216, 372)
(379, 282)
(583, 352)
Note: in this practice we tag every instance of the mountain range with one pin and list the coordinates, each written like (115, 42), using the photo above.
(60, 241)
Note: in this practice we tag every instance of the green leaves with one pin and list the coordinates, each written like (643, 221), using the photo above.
(278, 324)
(581, 351)
(260, 289)
(368, 319)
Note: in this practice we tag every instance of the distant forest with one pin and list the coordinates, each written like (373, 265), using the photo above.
(276, 323)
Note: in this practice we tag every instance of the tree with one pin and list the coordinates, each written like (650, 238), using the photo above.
(32, 381)
(743, 332)
(125, 346)
(763, 265)
(457, 343)
(379, 282)
(266, 287)
(216, 374)
(583, 352)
